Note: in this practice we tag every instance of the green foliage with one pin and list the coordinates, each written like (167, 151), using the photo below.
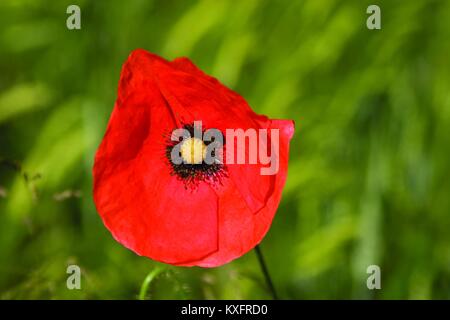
(369, 167)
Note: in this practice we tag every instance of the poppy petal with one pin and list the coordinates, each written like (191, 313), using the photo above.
(240, 230)
(150, 210)
(140, 202)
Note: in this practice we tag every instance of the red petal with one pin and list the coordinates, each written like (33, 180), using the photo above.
(150, 211)
(240, 230)
(194, 96)
(144, 207)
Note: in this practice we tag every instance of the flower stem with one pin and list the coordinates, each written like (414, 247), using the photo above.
(265, 271)
(148, 279)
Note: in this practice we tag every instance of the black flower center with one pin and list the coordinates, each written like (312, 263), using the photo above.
(193, 158)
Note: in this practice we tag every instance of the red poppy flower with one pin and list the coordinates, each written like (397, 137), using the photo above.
(192, 213)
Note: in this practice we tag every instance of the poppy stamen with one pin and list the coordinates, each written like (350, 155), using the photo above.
(193, 151)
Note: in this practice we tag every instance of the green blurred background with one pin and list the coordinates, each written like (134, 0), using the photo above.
(369, 177)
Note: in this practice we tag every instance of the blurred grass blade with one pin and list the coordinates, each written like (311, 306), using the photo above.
(23, 98)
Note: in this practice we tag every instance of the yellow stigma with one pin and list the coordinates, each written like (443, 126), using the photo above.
(193, 151)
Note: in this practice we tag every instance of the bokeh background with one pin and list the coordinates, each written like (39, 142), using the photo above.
(369, 178)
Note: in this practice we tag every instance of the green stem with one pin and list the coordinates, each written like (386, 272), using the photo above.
(148, 279)
(266, 272)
